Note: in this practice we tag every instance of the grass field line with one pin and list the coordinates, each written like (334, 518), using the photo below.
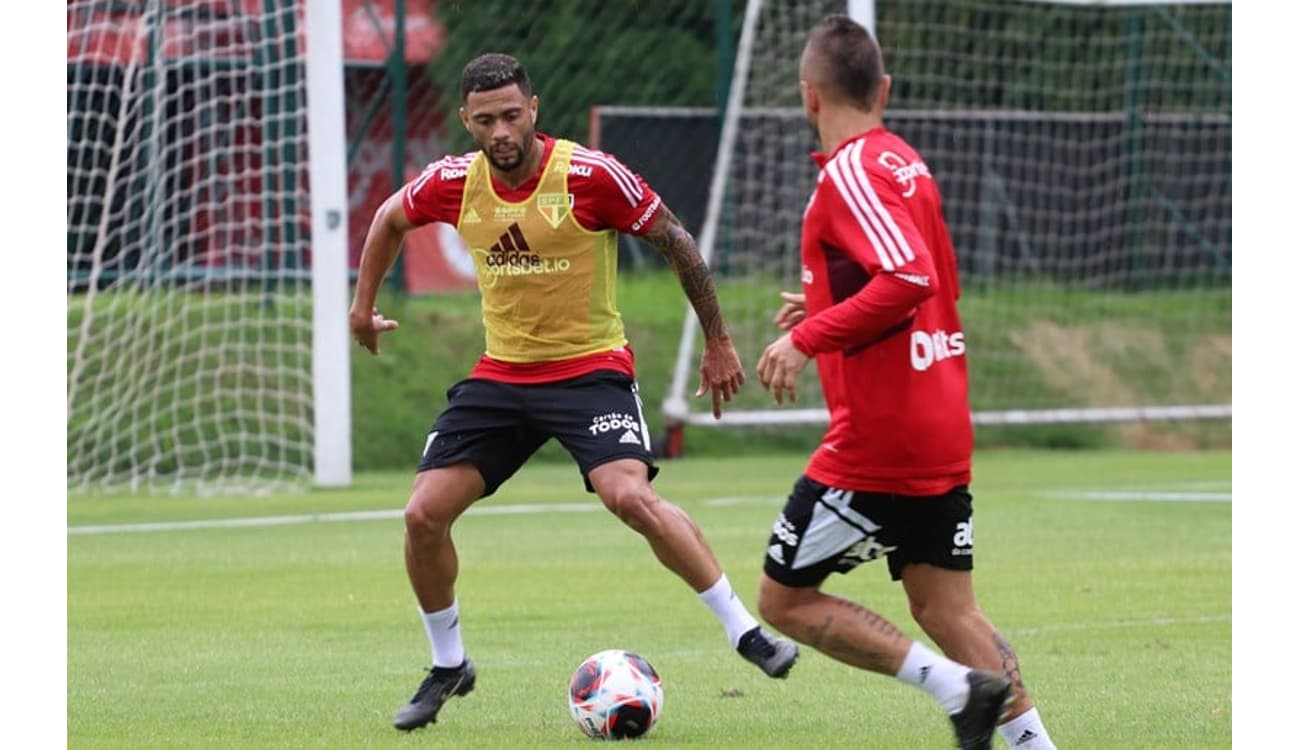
(702, 650)
(1061, 627)
(528, 508)
(722, 502)
(363, 515)
(369, 515)
(1146, 497)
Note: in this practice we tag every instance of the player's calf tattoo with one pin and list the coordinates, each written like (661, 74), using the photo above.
(823, 638)
(1010, 662)
(873, 620)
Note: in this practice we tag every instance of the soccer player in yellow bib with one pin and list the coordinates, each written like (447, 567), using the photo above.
(540, 216)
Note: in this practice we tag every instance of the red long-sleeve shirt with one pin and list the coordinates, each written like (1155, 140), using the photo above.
(881, 287)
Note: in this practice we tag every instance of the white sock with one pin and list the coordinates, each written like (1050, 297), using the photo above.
(729, 610)
(1026, 732)
(937, 675)
(443, 629)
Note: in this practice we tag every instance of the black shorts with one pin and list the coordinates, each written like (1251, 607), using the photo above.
(824, 530)
(597, 417)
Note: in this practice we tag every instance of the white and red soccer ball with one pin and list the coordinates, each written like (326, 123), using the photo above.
(615, 695)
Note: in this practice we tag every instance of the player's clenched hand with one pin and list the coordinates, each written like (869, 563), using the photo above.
(720, 372)
(791, 312)
(779, 366)
(367, 327)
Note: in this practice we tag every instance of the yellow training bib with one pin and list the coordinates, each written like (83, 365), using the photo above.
(548, 285)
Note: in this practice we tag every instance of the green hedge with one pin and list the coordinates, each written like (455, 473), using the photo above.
(1033, 346)
(397, 395)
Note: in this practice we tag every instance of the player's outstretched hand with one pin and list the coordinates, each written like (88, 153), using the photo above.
(720, 372)
(366, 328)
(779, 366)
(791, 312)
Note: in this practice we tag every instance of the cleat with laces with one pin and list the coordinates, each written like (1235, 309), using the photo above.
(440, 684)
(990, 694)
(773, 655)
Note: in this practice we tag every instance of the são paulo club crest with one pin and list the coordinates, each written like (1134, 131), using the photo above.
(554, 207)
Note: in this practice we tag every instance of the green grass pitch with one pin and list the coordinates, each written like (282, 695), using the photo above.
(1109, 572)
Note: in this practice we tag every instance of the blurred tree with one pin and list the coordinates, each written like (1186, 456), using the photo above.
(1033, 56)
(582, 53)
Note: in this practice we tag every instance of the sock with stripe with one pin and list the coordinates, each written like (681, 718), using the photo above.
(937, 675)
(1026, 732)
(443, 629)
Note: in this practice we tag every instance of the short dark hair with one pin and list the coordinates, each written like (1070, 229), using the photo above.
(849, 62)
(492, 71)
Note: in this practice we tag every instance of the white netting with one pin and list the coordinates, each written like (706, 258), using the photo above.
(189, 315)
(1084, 154)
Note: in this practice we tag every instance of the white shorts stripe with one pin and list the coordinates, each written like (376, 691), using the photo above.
(640, 414)
(833, 169)
(825, 536)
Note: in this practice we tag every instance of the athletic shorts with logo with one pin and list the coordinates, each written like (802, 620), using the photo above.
(495, 426)
(824, 530)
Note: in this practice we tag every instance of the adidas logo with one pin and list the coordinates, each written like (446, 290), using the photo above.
(776, 552)
(1025, 737)
(471, 216)
(512, 241)
(510, 255)
(630, 437)
(925, 673)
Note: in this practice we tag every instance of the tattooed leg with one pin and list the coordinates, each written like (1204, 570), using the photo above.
(943, 604)
(1010, 663)
(841, 629)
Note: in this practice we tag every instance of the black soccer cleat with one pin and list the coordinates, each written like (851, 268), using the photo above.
(773, 655)
(990, 693)
(441, 684)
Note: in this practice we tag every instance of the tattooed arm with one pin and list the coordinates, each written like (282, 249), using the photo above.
(720, 370)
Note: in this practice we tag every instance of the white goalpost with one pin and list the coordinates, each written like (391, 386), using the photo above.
(207, 247)
(326, 147)
(1083, 148)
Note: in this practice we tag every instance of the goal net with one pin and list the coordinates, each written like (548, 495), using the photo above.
(189, 303)
(1084, 153)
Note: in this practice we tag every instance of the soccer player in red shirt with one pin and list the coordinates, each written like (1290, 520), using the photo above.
(540, 216)
(890, 478)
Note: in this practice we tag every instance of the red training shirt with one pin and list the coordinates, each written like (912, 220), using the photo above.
(880, 279)
(605, 194)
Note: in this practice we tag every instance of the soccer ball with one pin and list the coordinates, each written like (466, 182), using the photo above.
(615, 695)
